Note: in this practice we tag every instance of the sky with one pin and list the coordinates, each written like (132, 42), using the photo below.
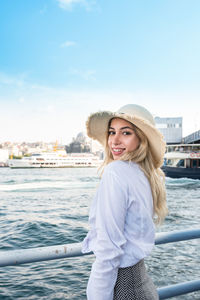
(61, 60)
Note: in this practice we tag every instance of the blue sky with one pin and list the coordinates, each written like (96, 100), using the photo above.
(60, 60)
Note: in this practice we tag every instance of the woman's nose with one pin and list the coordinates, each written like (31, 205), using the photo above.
(116, 139)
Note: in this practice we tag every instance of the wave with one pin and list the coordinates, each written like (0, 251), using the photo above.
(186, 183)
(45, 185)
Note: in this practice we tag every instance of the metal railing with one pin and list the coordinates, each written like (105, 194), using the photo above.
(179, 289)
(22, 256)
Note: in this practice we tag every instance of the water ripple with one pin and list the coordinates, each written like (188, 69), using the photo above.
(50, 207)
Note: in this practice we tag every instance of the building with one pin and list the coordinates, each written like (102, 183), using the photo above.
(78, 144)
(171, 128)
(4, 156)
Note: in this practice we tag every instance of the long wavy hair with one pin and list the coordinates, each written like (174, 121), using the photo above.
(143, 157)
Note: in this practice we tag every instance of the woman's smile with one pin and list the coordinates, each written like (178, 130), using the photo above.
(117, 151)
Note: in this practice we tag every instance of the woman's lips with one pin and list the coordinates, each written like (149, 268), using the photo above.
(117, 151)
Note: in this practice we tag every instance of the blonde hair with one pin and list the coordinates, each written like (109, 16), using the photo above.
(143, 156)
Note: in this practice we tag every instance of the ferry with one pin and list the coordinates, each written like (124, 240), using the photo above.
(182, 160)
(55, 160)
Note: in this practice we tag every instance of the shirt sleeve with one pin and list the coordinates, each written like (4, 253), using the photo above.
(108, 248)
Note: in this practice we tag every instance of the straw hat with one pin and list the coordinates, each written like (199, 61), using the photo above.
(97, 127)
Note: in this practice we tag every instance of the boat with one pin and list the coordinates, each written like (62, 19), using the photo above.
(55, 160)
(182, 160)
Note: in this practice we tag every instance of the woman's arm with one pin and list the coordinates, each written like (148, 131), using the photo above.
(108, 249)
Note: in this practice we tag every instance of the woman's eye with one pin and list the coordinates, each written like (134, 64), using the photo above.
(111, 132)
(126, 133)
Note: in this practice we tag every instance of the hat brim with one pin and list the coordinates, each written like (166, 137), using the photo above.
(97, 129)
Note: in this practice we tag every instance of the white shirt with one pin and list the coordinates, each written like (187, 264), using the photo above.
(121, 227)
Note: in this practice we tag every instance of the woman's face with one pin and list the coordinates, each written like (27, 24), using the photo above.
(121, 138)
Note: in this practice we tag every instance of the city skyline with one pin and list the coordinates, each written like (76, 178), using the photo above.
(61, 60)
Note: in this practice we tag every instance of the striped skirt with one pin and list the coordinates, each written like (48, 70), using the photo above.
(133, 283)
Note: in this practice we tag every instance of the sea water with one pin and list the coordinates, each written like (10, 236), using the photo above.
(44, 207)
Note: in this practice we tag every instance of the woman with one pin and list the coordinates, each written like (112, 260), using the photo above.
(130, 197)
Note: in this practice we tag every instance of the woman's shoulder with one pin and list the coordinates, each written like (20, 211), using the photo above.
(120, 167)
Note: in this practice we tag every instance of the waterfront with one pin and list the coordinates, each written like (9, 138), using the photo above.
(45, 207)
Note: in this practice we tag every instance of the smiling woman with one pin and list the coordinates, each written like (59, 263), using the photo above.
(131, 193)
(122, 137)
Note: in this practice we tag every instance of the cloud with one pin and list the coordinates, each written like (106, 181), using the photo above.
(68, 4)
(86, 75)
(10, 80)
(30, 111)
(45, 109)
(21, 100)
(67, 44)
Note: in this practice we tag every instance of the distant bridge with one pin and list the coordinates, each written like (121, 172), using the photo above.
(193, 138)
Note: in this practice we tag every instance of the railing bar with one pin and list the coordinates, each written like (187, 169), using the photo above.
(22, 256)
(16, 257)
(177, 236)
(179, 289)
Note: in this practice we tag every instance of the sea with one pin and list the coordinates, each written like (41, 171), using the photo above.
(46, 207)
